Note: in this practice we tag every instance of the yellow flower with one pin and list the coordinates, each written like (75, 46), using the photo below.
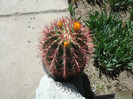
(77, 26)
(66, 43)
(60, 24)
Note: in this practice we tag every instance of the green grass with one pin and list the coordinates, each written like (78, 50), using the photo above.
(131, 14)
(72, 12)
(116, 5)
(120, 5)
(113, 40)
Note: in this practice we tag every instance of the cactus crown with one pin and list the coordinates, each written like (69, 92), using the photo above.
(66, 44)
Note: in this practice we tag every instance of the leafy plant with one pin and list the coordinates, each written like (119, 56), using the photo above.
(66, 45)
(120, 5)
(113, 40)
(72, 12)
(131, 14)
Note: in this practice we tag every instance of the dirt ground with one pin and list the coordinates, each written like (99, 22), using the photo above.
(103, 84)
(83, 8)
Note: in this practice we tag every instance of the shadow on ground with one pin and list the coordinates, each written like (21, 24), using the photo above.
(87, 87)
(112, 74)
(83, 86)
(95, 2)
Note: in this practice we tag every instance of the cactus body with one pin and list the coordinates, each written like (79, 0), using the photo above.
(64, 50)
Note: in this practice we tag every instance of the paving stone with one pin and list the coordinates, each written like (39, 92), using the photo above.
(20, 64)
(24, 6)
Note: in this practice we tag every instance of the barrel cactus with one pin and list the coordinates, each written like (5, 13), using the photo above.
(65, 46)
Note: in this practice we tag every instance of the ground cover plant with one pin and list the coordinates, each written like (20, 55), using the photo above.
(120, 5)
(115, 5)
(113, 41)
(131, 14)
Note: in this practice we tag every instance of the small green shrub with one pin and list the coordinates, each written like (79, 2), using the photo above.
(117, 5)
(113, 40)
(72, 12)
(131, 14)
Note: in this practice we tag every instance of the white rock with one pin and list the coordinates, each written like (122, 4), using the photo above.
(50, 89)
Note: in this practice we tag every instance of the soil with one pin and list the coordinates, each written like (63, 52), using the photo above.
(104, 84)
(83, 9)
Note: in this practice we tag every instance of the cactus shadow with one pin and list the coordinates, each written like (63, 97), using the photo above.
(82, 84)
(89, 94)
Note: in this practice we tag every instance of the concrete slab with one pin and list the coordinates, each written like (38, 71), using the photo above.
(20, 65)
(23, 6)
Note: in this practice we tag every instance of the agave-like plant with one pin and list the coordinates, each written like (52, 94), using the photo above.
(113, 41)
(120, 5)
(66, 45)
(131, 14)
